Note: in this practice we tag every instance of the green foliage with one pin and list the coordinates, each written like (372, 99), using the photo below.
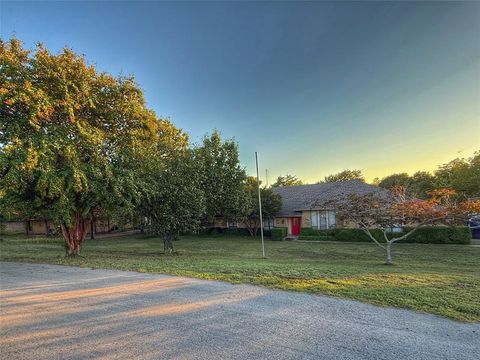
(71, 138)
(287, 180)
(441, 235)
(311, 232)
(316, 238)
(420, 184)
(222, 178)
(423, 235)
(344, 176)
(357, 235)
(462, 175)
(236, 232)
(278, 234)
(227, 232)
(390, 181)
(271, 204)
(174, 200)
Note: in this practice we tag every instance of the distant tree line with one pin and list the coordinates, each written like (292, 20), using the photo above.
(461, 175)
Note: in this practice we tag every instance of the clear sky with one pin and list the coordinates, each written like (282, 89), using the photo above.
(314, 87)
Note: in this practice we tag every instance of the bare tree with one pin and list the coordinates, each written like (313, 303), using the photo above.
(389, 210)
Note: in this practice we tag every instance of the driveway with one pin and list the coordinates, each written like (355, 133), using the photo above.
(59, 312)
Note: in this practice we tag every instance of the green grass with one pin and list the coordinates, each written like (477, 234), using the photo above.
(437, 279)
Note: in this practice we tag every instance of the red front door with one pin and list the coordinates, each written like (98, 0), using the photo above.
(295, 224)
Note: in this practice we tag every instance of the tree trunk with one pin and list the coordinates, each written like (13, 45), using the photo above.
(92, 228)
(47, 232)
(168, 244)
(388, 249)
(74, 235)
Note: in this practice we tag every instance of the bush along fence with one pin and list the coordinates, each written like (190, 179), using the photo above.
(278, 234)
(425, 235)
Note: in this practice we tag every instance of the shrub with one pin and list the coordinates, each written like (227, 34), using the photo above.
(317, 238)
(310, 232)
(214, 231)
(425, 235)
(236, 232)
(278, 233)
(440, 235)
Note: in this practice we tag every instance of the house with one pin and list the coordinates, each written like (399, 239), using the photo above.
(298, 209)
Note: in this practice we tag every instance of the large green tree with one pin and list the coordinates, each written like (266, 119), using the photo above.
(462, 175)
(173, 200)
(420, 184)
(222, 178)
(390, 181)
(71, 138)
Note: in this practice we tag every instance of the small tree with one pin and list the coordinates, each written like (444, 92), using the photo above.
(172, 200)
(221, 178)
(386, 211)
(271, 204)
(175, 202)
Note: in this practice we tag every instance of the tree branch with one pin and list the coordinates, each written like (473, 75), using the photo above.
(369, 234)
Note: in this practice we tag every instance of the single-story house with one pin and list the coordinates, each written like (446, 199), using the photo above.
(298, 209)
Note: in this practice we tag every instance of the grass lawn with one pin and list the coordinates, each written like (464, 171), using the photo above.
(438, 279)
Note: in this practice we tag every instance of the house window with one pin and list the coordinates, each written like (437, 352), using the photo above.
(232, 225)
(323, 219)
(395, 229)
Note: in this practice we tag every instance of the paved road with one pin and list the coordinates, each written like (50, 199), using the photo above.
(56, 312)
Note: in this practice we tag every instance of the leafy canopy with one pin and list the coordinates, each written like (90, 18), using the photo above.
(287, 180)
(345, 175)
(173, 200)
(461, 175)
(70, 137)
(222, 178)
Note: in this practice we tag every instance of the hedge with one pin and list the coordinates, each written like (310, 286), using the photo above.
(317, 238)
(424, 235)
(278, 233)
(230, 231)
(441, 235)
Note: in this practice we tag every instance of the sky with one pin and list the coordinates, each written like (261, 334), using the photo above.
(314, 87)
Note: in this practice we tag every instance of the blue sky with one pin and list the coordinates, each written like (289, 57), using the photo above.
(314, 87)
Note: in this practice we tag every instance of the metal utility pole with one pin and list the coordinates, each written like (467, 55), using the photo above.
(260, 206)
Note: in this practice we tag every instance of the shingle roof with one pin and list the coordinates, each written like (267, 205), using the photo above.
(302, 197)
